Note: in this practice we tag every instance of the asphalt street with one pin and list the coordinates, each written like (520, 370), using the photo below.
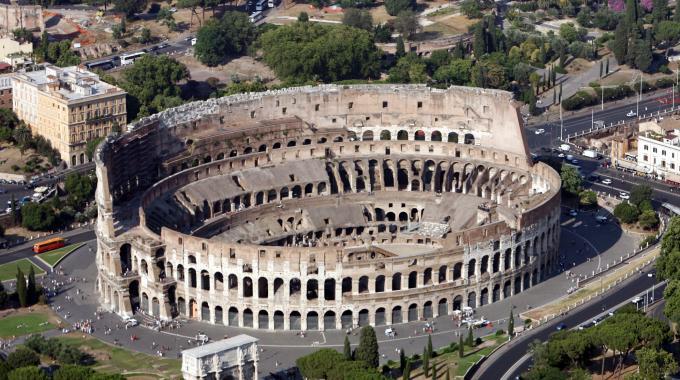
(26, 250)
(504, 359)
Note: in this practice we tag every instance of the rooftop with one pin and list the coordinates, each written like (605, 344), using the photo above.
(219, 346)
(71, 83)
(670, 137)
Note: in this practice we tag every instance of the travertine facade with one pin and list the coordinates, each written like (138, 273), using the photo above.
(324, 207)
(69, 106)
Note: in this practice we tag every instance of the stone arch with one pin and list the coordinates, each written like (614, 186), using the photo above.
(379, 284)
(443, 307)
(385, 135)
(457, 302)
(247, 284)
(346, 319)
(329, 289)
(397, 315)
(396, 281)
(412, 312)
(312, 289)
(279, 323)
(263, 320)
(452, 137)
(484, 297)
(469, 139)
(218, 317)
(472, 300)
(262, 287)
(367, 135)
(427, 310)
(402, 135)
(363, 284)
(248, 318)
(329, 322)
(363, 318)
(436, 136)
(413, 280)
(205, 312)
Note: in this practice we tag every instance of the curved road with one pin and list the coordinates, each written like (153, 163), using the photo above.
(26, 250)
(500, 363)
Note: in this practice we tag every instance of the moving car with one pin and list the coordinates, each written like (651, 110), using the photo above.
(606, 181)
(601, 219)
(561, 326)
(573, 213)
(539, 131)
(631, 113)
(624, 195)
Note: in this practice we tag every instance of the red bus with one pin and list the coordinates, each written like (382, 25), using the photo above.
(48, 245)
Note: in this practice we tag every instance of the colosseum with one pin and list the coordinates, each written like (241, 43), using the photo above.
(324, 207)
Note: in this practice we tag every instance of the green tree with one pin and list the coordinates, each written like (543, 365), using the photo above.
(429, 346)
(303, 17)
(426, 362)
(401, 50)
(434, 371)
(358, 18)
(311, 51)
(80, 189)
(479, 40)
(407, 23)
(145, 36)
(402, 359)
(22, 136)
(461, 346)
(27, 373)
(648, 219)
(655, 364)
(73, 372)
(619, 45)
(671, 295)
(152, 83)
(659, 10)
(227, 37)
(37, 217)
(31, 288)
(317, 364)
(406, 375)
(571, 179)
(587, 198)
(409, 69)
(455, 73)
(90, 147)
(21, 291)
(367, 350)
(569, 33)
(626, 212)
(347, 349)
(22, 357)
(394, 7)
(471, 8)
(470, 342)
(643, 53)
(632, 10)
(130, 7)
(640, 193)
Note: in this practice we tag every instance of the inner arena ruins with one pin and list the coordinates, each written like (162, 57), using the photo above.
(324, 208)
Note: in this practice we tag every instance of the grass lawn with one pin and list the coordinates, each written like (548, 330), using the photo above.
(54, 256)
(9, 271)
(111, 359)
(24, 324)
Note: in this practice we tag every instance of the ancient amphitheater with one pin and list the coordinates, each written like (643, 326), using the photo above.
(324, 208)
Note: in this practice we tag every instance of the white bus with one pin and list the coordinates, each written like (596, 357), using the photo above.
(128, 59)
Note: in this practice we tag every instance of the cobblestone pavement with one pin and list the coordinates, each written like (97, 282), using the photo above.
(585, 245)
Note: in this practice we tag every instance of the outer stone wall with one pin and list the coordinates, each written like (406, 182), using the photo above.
(395, 152)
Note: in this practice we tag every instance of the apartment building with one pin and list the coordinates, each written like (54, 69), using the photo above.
(659, 149)
(69, 106)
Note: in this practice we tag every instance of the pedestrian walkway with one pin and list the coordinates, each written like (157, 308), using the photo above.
(571, 83)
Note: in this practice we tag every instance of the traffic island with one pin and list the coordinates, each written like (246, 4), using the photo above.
(594, 287)
(8, 271)
(54, 257)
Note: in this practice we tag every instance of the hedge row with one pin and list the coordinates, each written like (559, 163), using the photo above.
(584, 98)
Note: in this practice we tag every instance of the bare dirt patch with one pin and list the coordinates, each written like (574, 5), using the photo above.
(11, 157)
(451, 24)
(245, 68)
(578, 65)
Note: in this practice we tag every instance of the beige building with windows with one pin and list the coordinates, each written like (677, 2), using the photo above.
(69, 106)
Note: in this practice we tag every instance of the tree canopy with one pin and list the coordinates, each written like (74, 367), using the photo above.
(310, 51)
(571, 179)
(220, 39)
(151, 84)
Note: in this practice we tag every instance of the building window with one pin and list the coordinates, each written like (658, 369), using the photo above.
(645, 147)
(663, 152)
(653, 150)
(645, 158)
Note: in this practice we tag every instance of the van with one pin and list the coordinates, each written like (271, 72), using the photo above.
(272, 3)
(565, 147)
(256, 16)
(261, 5)
(590, 153)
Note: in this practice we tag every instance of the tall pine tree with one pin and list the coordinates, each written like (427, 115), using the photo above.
(619, 45)
(31, 290)
(347, 349)
(659, 10)
(632, 12)
(461, 346)
(643, 52)
(511, 324)
(470, 338)
(434, 371)
(479, 40)
(21, 288)
(406, 375)
(402, 360)
(368, 347)
(426, 362)
(429, 345)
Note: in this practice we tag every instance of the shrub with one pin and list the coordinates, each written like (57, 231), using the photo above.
(500, 332)
(626, 212)
(650, 239)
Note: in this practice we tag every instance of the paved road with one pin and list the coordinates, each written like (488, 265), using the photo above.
(504, 359)
(26, 250)
(613, 112)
